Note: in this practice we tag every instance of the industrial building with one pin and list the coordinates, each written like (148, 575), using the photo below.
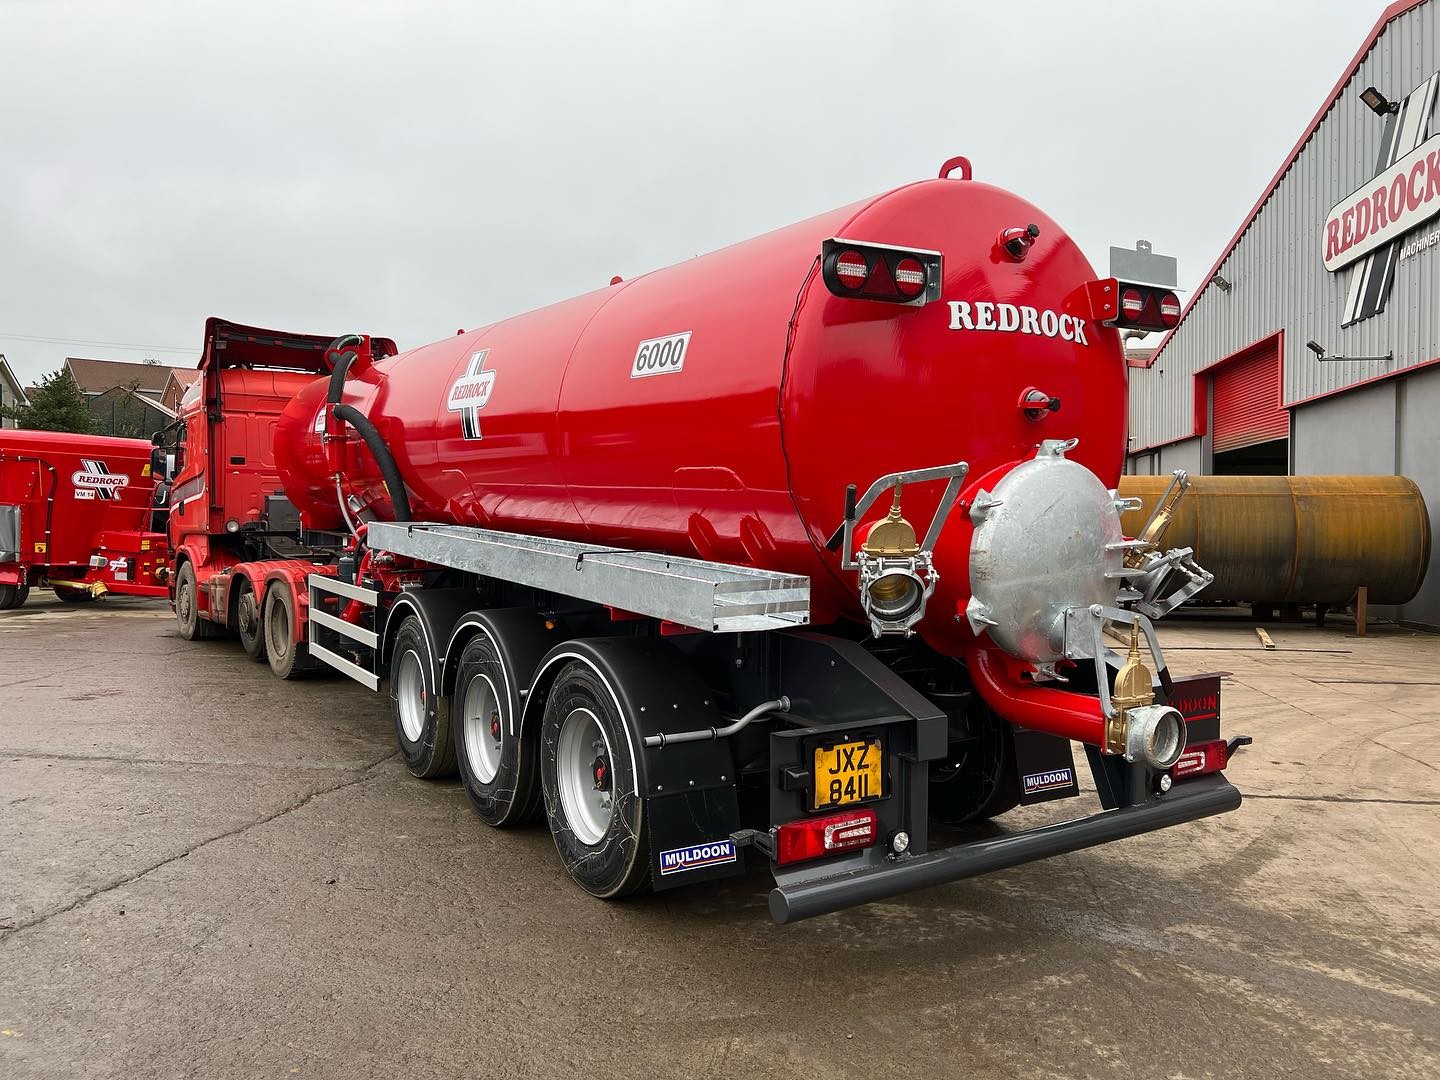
(1312, 346)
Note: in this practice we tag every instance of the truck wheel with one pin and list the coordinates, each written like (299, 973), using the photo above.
(248, 621)
(278, 622)
(422, 716)
(12, 596)
(73, 596)
(983, 784)
(597, 819)
(498, 769)
(188, 620)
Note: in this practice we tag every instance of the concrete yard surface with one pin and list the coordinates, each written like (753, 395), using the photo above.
(210, 873)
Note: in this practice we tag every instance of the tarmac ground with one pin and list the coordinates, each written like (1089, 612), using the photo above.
(207, 872)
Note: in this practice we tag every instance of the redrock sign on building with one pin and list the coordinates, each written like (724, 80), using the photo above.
(1312, 346)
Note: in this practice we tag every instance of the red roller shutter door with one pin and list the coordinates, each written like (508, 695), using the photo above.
(1246, 402)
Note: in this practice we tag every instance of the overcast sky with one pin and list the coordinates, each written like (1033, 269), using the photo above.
(408, 169)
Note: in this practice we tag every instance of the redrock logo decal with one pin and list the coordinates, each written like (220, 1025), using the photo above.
(96, 476)
(1404, 193)
(470, 392)
(716, 853)
(1016, 319)
(1049, 781)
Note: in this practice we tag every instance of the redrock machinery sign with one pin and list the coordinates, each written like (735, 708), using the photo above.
(1404, 193)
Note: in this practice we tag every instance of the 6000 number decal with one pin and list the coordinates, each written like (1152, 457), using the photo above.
(660, 356)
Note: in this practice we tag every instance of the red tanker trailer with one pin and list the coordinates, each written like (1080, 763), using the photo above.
(644, 559)
(77, 514)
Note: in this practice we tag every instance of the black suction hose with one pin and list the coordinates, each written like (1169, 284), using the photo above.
(394, 485)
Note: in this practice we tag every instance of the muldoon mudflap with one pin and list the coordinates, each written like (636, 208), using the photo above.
(1187, 801)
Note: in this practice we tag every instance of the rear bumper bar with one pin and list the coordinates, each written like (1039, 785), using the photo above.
(1187, 801)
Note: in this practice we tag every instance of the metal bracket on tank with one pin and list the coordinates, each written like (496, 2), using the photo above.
(843, 538)
(1084, 641)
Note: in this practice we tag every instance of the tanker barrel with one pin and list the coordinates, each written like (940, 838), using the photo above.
(1296, 539)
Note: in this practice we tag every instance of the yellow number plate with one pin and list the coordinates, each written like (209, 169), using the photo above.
(848, 773)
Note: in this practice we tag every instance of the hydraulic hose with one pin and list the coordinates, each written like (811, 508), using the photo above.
(394, 484)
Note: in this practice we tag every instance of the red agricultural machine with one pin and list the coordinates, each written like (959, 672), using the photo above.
(643, 561)
(78, 514)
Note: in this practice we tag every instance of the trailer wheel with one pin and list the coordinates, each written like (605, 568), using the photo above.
(73, 596)
(421, 715)
(983, 784)
(248, 622)
(278, 623)
(498, 768)
(12, 596)
(188, 620)
(596, 817)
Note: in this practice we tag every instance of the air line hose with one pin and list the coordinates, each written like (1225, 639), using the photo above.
(394, 483)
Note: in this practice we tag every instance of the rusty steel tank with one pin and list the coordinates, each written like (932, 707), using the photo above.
(1297, 539)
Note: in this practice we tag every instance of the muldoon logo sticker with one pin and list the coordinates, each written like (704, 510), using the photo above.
(470, 392)
(1049, 781)
(696, 857)
(95, 475)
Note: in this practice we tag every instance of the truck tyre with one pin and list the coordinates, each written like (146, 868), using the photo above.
(248, 623)
(73, 596)
(498, 769)
(188, 620)
(596, 817)
(278, 623)
(983, 784)
(12, 596)
(422, 716)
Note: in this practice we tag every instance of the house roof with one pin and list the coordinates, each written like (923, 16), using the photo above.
(97, 376)
(9, 375)
(1389, 15)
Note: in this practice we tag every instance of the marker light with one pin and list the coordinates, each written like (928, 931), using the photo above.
(812, 838)
(1202, 758)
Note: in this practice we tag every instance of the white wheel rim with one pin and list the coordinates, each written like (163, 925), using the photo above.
(480, 711)
(410, 695)
(587, 809)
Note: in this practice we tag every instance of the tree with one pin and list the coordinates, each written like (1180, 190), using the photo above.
(55, 405)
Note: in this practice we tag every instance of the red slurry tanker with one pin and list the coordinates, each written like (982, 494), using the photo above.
(77, 514)
(644, 560)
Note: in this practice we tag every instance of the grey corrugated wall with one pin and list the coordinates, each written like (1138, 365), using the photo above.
(1278, 282)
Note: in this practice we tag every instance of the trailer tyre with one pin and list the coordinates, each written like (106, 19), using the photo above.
(73, 596)
(596, 816)
(188, 620)
(278, 622)
(12, 596)
(421, 715)
(248, 623)
(499, 769)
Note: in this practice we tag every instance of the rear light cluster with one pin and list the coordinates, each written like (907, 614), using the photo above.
(1133, 307)
(1200, 758)
(830, 834)
(881, 272)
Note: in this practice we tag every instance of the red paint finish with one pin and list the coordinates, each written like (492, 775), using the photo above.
(786, 395)
(66, 516)
(1246, 400)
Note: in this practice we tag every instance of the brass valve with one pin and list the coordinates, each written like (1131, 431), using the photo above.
(893, 538)
(1154, 530)
(1133, 689)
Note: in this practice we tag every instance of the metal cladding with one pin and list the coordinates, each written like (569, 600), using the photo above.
(1297, 539)
(719, 408)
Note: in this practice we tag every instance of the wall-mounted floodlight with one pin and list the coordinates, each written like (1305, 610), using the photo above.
(1378, 102)
(1320, 354)
(1221, 283)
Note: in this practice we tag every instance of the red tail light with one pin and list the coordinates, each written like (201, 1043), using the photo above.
(909, 277)
(1199, 759)
(831, 834)
(1170, 309)
(863, 271)
(850, 268)
(1131, 303)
